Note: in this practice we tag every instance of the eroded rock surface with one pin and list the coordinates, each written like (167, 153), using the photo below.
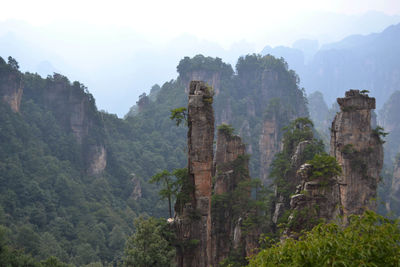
(358, 150)
(231, 168)
(315, 200)
(77, 113)
(11, 89)
(193, 218)
(282, 200)
(270, 144)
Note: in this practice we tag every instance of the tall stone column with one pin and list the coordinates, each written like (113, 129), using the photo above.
(194, 218)
(358, 149)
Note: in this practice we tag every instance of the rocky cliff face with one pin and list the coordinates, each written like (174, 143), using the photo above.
(277, 115)
(77, 113)
(293, 179)
(395, 188)
(193, 219)
(358, 149)
(270, 144)
(231, 168)
(97, 160)
(11, 88)
(315, 200)
(389, 119)
(213, 79)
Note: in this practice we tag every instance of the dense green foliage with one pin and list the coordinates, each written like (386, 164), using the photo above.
(297, 131)
(379, 133)
(52, 205)
(206, 64)
(227, 129)
(49, 203)
(324, 166)
(150, 244)
(239, 100)
(172, 184)
(10, 256)
(368, 240)
(179, 115)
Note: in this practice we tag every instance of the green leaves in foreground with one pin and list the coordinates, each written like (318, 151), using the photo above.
(369, 240)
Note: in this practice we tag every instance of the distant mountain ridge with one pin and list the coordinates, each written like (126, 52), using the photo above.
(368, 62)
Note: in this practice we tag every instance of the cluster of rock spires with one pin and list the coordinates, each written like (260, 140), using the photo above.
(208, 232)
(358, 150)
(263, 141)
(195, 223)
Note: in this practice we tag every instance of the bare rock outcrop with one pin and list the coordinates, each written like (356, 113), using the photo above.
(11, 89)
(137, 187)
(358, 149)
(231, 168)
(75, 110)
(98, 160)
(269, 144)
(193, 216)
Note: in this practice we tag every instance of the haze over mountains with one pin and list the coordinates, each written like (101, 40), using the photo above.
(118, 64)
(358, 61)
(226, 143)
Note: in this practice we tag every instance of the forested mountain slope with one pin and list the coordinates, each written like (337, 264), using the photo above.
(258, 100)
(73, 178)
(63, 192)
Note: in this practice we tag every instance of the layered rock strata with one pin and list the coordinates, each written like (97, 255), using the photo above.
(358, 149)
(193, 219)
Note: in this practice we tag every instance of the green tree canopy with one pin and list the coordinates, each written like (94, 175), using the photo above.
(149, 245)
(369, 240)
(324, 165)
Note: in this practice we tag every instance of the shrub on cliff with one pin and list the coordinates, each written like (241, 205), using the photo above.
(324, 165)
(369, 240)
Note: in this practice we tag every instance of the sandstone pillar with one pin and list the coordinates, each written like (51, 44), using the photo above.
(358, 149)
(194, 218)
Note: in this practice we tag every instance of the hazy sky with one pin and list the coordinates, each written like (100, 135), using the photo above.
(224, 21)
(120, 48)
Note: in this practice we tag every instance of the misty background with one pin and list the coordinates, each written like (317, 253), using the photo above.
(120, 50)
